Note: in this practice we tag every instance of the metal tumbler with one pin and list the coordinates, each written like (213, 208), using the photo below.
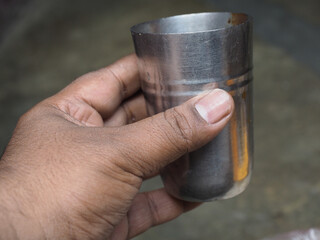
(179, 57)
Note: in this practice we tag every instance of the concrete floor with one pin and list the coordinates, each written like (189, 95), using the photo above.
(50, 43)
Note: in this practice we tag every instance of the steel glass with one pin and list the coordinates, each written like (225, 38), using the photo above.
(182, 56)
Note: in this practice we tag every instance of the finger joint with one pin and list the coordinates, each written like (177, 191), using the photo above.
(181, 128)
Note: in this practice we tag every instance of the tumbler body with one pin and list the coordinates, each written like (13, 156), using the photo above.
(182, 56)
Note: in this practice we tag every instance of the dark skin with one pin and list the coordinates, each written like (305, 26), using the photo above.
(76, 161)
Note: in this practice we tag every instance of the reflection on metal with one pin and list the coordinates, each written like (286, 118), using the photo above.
(240, 163)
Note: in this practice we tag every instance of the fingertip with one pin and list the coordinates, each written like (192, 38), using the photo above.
(215, 106)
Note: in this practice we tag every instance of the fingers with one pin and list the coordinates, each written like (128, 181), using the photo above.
(153, 208)
(149, 145)
(105, 89)
(130, 111)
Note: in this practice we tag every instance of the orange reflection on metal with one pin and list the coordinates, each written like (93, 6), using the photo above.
(240, 163)
(230, 82)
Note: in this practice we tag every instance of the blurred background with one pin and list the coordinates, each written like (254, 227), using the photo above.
(44, 45)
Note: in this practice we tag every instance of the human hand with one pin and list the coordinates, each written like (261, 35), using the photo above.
(76, 161)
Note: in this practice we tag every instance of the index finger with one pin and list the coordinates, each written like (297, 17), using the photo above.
(106, 88)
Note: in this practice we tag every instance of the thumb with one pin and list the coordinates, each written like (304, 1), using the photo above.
(152, 143)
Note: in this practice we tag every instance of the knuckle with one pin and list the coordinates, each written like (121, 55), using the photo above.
(129, 115)
(182, 129)
(121, 84)
(26, 119)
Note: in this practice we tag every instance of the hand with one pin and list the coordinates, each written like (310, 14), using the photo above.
(76, 161)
